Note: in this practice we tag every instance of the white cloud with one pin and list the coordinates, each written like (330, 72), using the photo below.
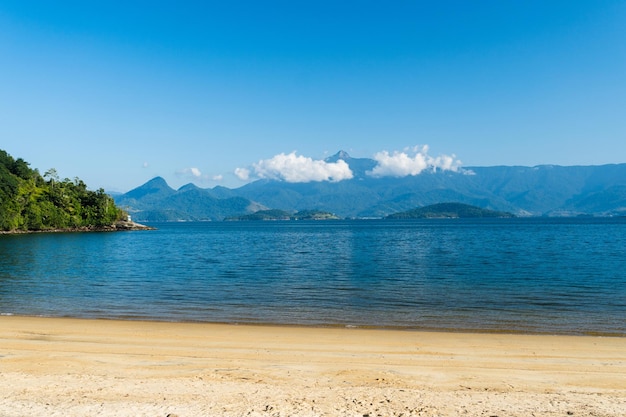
(190, 172)
(411, 162)
(242, 173)
(194, 174)
(296, 168)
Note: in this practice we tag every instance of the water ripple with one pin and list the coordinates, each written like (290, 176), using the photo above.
(537, 275)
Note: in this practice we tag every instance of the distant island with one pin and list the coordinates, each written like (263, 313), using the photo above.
(30, 202)
(284, 215)
(434, 211)
(448, 211)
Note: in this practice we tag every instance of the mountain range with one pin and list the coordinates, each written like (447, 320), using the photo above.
(545, 190)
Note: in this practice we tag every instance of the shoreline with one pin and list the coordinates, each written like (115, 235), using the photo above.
(72, 367)
(459, 330)
(120, 226)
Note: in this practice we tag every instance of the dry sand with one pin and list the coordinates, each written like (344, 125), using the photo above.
(69, 367)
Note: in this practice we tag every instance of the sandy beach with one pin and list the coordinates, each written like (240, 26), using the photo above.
(73, 367)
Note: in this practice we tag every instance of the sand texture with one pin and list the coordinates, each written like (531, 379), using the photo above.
(70, 367)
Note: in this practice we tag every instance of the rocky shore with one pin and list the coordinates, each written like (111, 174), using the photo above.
(130, 225)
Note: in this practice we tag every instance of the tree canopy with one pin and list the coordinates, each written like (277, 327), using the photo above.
(30, 201)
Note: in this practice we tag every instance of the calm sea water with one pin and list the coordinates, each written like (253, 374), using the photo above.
(526, 275)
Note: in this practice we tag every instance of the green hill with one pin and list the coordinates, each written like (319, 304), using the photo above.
(32, 202)
(448, 211)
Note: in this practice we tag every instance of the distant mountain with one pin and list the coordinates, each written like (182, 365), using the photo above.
(546, 190)
(448, 211)
(157, 201)
(358, 166)
(525, 191)
(150, 193)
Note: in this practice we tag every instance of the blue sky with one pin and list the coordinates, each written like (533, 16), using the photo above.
(119, 92)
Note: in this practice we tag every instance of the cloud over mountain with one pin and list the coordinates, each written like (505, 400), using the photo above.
(300, 169)
(296, 168)
(411, 162)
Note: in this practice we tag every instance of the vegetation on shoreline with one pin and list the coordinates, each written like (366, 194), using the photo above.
(32, 202)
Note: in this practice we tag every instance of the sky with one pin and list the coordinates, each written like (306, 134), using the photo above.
(223, 93)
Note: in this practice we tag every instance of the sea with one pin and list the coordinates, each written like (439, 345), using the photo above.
(522, 275)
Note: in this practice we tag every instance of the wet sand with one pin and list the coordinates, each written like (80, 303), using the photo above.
(73, 367)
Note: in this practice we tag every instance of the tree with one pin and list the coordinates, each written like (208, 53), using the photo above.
(29, 202)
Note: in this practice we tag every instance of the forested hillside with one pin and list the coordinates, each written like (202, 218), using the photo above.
(30, 201)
